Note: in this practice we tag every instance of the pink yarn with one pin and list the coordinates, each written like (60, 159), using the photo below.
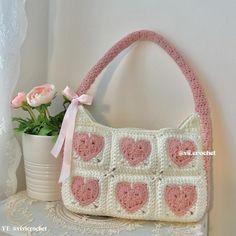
(87, 146)
(85, 192)
(201, 105)
(135, 151)
(180, 199)
(131, 197)
(175, 146)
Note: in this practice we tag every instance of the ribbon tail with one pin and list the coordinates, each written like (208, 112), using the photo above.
(65, 172)
(58, 145)
(62, 135)
(66, 165)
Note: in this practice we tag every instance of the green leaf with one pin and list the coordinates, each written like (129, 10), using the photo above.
(45, 131)
(18, 119)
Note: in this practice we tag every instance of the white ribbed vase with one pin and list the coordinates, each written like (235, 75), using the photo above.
(42, 170)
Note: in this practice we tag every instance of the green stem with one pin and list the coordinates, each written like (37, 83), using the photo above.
(30, 112)
(48, 113)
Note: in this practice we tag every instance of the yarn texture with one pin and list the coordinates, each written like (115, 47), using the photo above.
(175, 147)
(180, 198)
(135, 151)
(87, 146)
(84, 192)
(131, 197)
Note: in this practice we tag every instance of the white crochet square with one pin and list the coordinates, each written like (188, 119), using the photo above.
(193, 168)
(102, 159)
(196, 212)
(146, 167)
(115, 208)
(98, 207)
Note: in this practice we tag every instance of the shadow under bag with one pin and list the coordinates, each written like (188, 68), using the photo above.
(136, 173)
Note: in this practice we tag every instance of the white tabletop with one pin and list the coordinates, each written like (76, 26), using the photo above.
(19, 214)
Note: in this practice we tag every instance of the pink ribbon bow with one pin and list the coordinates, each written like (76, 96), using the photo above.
(67, 130)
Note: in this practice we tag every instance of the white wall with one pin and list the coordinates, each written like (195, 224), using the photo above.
(146, 88)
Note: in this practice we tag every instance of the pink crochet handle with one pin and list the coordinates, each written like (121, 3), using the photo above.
(201, 105)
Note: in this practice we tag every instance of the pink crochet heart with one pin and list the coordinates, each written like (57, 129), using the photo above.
(87, 146)
(84, 191)
(135, 151)
(175, 147)
(180, 198)
(131, 197)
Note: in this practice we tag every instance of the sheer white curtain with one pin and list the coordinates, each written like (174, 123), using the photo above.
(13, 26)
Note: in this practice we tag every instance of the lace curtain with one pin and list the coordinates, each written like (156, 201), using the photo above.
(12, 32)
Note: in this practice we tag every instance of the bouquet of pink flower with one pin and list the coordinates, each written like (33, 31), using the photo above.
(36, 103)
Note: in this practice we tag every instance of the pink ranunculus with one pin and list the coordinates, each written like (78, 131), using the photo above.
(18, 100)
(41, 95)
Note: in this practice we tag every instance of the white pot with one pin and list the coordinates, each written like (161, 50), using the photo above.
(42, 170)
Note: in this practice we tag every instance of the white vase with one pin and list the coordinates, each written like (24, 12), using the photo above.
(42, 170)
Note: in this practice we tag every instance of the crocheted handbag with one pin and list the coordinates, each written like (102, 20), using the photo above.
(135, 173)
